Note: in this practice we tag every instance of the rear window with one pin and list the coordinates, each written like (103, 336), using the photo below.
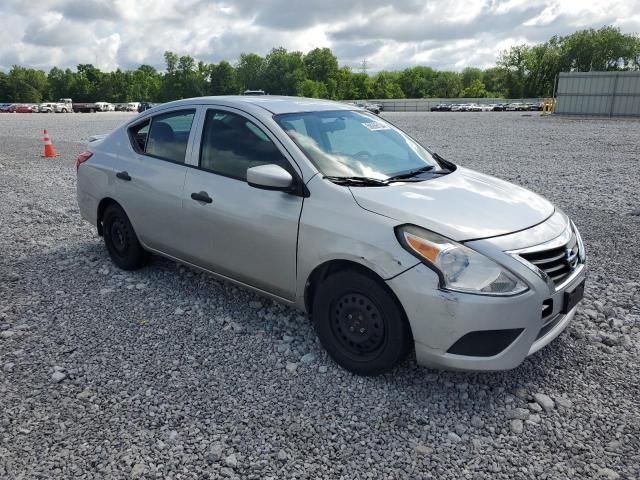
(164, 136)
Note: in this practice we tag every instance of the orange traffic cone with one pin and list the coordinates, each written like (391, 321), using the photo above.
(49, 151)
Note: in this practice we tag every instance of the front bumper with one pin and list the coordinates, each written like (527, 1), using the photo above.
(440, 319)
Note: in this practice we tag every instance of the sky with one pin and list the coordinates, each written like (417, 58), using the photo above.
(443, 34)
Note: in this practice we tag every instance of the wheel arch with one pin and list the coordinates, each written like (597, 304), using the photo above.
(102, 207)
(324, 270)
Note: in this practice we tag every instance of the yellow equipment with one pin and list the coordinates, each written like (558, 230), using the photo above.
(548, 106)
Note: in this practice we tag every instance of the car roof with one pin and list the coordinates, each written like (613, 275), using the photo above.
(275, 104)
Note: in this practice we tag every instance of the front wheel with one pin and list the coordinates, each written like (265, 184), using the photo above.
(121, 240)
(360, 323)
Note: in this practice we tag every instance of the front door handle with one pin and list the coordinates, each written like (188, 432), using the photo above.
(201, 197)
(123, 176)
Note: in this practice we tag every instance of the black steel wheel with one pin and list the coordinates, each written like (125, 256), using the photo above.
(360, 323)
(121, 240)
(357, 325)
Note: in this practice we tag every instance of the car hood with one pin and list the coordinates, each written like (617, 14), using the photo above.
(462, 205)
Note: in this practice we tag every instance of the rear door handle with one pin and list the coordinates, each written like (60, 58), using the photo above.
(123, 176)
(201, 197)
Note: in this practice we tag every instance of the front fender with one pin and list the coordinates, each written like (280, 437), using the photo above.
(352, 234)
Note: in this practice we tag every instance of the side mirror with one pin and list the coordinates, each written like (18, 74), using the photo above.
(269, 177)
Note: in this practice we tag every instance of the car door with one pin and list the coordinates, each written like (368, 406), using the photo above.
(236, 230)
(149, 184)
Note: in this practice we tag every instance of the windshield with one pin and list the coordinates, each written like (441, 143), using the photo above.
(352, 143)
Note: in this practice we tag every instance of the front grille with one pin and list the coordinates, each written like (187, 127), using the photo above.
(559, 262)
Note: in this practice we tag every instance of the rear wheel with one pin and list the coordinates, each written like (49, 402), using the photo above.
(360, 323)
(121, 240)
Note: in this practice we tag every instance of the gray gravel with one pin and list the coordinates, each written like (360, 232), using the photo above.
(168, 373)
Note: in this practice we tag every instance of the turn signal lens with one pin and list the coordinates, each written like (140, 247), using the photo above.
(424, 249)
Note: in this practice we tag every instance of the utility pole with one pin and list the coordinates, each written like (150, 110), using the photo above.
(363, 66)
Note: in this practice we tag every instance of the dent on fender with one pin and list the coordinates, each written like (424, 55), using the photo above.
(382, 262)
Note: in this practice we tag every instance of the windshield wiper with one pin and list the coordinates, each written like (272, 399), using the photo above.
(412, 173)
(358, 181)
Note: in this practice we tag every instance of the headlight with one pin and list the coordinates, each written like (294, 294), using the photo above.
(460, 268)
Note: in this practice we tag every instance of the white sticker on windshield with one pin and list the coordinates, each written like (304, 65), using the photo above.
(373, 126)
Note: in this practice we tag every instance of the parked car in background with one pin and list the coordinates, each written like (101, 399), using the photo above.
(253, 92)
(456, 107)
(47, 108)
(132, 106)
(24, 108)
(372, 107)
(441, 107)
(105, 107)
(5, 107)
(146, 106)
(474, 107)
(516, 107)
(388, 246)
(51, 107)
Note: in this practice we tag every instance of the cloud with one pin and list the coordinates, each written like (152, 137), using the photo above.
(87, 10)
(444, 34)
(54, 31)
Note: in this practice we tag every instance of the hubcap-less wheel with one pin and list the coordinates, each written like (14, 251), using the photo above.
(119, 237)
(360, 323)
(121, 240)
(358, 326)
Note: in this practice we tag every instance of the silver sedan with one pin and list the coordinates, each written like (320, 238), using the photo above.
(326, 207)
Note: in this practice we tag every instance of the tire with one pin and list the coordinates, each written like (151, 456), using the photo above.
(64, 110)
(121, 240)
(360, 323)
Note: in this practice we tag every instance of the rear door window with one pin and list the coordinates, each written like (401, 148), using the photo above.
(139, 135)
(165, 136)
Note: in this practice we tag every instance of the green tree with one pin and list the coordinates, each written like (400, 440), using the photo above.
(171, 60)
(223, 79)
(447, 85)
(475, 90)
(249, 71)
(321, 64)
(520, 71)
(361, 87)
(385, 85)
(145, 85)
(513, 63)
(470, 75)
(308, 88)
(5, 88)
(60, 82)
(26, 85)
(417, 82)
(493, 79)
(283, 72)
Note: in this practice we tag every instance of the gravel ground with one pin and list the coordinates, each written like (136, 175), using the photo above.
(168, 373)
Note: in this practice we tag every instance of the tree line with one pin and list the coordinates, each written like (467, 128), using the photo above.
(521, 71)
